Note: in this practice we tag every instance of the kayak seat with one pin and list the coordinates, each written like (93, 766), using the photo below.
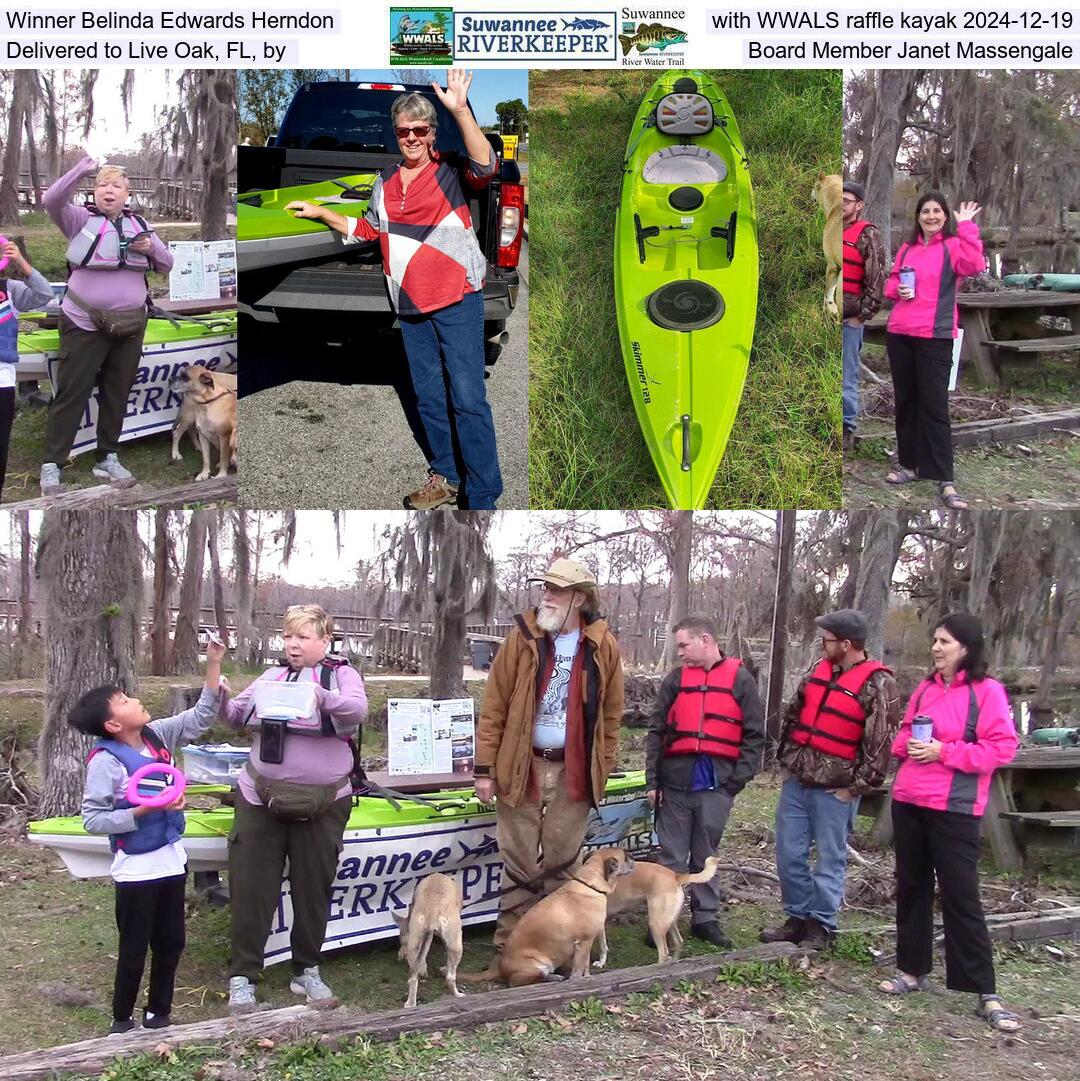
(685, 86)
(686, 199)
(684, 165)
(685, 305)
(684, 114)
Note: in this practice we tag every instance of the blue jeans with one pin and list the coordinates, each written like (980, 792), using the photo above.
(453, 338)
(853, 338)
(808, 815)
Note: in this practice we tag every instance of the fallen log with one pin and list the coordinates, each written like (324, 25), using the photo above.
(333, 1026)
(141, 497)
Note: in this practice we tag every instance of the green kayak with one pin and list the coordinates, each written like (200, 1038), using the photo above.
(160, 333)
(267, 234)
(1058, 283)
(686, 278)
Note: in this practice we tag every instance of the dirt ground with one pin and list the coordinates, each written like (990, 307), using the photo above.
(820, 1019)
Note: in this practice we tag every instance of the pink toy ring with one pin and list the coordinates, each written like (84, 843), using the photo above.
(171, 793)
(4, 260)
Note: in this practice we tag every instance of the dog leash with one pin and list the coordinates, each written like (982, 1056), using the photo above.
(223, 394)
(531, 885)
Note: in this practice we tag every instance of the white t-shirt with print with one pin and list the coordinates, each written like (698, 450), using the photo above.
(549, 729)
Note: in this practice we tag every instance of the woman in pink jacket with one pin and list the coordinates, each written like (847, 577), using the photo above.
(938, 797)
(922, 325)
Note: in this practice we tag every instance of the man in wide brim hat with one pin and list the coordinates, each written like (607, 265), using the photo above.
(547, 734)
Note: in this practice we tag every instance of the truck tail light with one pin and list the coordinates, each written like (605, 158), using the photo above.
(511, 220)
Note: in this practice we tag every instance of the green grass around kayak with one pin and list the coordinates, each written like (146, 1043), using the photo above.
(585, 450)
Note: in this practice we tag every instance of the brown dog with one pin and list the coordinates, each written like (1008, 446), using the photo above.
(662, 891)
(829, 195)
(560, 929)
(435, 910)
(207, 404)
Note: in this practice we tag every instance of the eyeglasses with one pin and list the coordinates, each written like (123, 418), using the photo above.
(829, 641)
(420, 131)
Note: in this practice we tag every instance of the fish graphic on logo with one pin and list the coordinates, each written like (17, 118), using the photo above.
(488, 846)
(652, 36)
(584, 24)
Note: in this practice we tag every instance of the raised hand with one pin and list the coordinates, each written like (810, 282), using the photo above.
(456, 95)
(11, 252)
(91, 164)
(967, 211)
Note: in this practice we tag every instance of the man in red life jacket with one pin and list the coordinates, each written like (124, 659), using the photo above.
(865, 271)
(705, 741)
(834, 747)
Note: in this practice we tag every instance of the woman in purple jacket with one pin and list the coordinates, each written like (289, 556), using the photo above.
(919, 341)
(938, 798)
(103, 315)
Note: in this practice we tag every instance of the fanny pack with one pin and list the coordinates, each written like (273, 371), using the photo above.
(118, 324)
(292, 801)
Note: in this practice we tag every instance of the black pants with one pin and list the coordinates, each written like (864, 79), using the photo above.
(148, 914)
(7, 417)
(947, 843)
(920, 374)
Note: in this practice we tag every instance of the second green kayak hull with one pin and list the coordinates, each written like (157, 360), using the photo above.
(1058, 283)
(686, 383)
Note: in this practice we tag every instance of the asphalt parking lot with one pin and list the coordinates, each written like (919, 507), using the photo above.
(340, 435)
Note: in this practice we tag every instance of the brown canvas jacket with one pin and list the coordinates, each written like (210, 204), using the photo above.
(880, 700)
(504, 730)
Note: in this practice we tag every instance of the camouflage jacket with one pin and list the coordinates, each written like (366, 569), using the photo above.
(880, 700)
(875, 270)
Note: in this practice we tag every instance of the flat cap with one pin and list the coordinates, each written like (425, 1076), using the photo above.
(844, 623)
(856, 189)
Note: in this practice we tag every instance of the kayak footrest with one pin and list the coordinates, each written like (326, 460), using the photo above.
(728, 233)
(643, 233)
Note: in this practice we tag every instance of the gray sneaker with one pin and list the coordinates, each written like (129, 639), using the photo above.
(310, 983)
(112, 471)
(241, 995)
(50, 478)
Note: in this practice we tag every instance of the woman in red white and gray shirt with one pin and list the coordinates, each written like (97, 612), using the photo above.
(435, 275)
(938, 799)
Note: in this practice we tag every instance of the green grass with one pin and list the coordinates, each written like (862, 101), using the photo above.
(585, 449)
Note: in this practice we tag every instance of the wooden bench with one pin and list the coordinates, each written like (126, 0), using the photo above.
(1046, 829)
(1061, 343)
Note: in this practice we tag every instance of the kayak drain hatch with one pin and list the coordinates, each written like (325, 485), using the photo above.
(686, 198)
(685, 305)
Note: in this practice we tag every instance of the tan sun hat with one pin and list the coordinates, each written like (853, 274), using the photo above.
(566, 572)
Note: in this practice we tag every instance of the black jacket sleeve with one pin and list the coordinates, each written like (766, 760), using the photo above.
(654, 742)
(753, 733)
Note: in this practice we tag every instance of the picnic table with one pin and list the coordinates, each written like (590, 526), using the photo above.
(1005, 322)
(996, 323)
(1033, 801)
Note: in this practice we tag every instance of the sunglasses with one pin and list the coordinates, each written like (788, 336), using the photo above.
(421, 131)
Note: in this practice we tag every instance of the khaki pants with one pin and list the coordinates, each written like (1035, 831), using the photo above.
(536, 838)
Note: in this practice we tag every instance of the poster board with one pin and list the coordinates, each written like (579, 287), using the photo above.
(427, 736)
(202, 269)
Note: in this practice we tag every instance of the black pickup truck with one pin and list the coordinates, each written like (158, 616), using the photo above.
(340, 129)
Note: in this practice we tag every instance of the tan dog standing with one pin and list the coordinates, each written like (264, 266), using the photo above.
(661, 890)
(207, 404)
(435, 910)
(828, 194)
(560, 929)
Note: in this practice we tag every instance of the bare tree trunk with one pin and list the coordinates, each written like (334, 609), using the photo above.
(681, 526)
(785, 548)
(891, 100)
(880, 552)
(31, 153)
(163, 587)
(215, 577)
(1064, 531)
(9, 182)
(853, 545)
(185, 651)
(245, 589)
(91, 581)
(22, 654)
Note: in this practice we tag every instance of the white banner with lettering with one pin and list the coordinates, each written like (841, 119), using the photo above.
(378, 872)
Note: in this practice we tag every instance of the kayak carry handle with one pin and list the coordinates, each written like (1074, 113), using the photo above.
(685, 418)
(643, 233)
(728, 233)
(353, 191)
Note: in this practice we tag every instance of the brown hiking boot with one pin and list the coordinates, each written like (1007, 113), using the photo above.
(849, 441)
(438, 492)
(817, 936)
(791, 930)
